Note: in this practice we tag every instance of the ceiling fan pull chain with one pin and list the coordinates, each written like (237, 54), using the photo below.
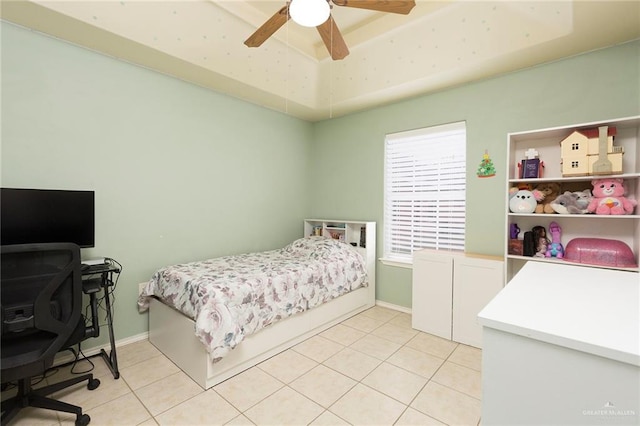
(331, 73)
(286, 84)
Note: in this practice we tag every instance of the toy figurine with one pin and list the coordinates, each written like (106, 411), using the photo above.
(541, 241)
(514, 231)
(555, 249)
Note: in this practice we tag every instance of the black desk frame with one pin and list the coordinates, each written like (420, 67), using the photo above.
(94, 279)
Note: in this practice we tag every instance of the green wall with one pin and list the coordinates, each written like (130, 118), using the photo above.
(348, 152)
(182, 173)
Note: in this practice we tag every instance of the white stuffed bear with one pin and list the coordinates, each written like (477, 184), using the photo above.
(524, 201)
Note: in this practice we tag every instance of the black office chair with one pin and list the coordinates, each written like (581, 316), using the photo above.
(41, 298)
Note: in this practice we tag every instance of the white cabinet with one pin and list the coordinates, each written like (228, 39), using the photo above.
(432, 298)
(476, 280)
(449, 289)
(622, 228)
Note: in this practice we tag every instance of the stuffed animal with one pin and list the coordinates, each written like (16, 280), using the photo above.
(609, 197)
(523, 185)
(550, 190)
(522, 201)
(583, 198)
(567, 203)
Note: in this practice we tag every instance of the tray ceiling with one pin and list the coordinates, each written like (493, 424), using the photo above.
(439, 44)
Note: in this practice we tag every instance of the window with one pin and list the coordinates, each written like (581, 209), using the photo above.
(425, 190)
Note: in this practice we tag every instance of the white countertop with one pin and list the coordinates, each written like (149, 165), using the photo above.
(587, 309)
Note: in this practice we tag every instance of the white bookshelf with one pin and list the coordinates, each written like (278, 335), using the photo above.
(625, 228)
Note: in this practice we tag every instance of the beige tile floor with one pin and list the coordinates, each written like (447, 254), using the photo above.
(372, 369)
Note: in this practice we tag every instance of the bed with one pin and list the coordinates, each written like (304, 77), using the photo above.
(218, 317)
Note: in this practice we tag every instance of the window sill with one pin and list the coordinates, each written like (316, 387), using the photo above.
(397, 263)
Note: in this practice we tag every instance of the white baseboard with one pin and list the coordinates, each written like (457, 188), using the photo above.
(394, 307)
(66, 356)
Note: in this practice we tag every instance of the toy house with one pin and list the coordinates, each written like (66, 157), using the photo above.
(580, 151)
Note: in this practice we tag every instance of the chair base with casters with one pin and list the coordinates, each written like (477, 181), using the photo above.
(28, 397)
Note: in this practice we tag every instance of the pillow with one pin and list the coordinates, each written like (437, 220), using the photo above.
(315, 247)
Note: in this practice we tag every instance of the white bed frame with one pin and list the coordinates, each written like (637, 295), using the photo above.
(173, 333)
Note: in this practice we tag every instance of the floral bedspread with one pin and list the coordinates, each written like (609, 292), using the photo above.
(233, 296)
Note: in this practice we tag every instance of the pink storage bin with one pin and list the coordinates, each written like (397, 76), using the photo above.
(600, 251)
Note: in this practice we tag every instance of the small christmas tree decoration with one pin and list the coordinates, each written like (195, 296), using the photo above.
(486, 168)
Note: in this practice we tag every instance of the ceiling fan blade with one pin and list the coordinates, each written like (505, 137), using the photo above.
(267, 29)
(392, 6)
(332, 38)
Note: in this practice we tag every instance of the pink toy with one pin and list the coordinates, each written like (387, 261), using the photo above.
(600, 251)
(555, 249)
(609, 197)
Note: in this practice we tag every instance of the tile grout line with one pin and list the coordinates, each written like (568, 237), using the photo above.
(381, 361)
(282, 385)
(429, 379)
(406, 406)
(287, 385)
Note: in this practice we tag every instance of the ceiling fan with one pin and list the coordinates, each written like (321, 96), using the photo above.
(328, 30)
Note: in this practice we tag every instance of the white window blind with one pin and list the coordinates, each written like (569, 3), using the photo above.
(425, 190)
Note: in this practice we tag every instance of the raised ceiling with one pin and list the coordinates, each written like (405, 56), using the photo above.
(439, 44)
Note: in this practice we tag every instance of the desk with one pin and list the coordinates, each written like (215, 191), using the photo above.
(98, 278)
(563, 349)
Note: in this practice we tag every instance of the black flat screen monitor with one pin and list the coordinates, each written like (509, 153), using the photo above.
(47, 216)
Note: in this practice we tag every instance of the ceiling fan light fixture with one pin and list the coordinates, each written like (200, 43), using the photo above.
(309, 13)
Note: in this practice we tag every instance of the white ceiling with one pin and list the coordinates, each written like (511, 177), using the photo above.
(439, 44)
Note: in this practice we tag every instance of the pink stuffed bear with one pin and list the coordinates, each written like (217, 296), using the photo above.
(609, 197)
